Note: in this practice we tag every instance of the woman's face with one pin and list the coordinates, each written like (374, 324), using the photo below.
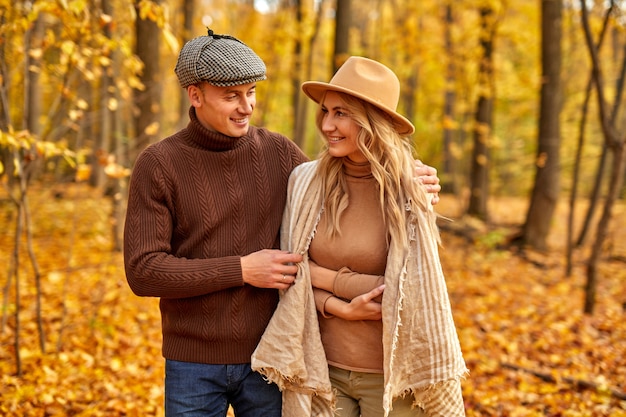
(340, 129)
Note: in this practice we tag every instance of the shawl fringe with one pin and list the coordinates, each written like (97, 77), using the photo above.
(422, 355)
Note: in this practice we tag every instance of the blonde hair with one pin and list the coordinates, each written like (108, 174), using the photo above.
(391, 157)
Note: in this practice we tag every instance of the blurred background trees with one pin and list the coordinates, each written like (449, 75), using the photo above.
(519, 104)
(501, 92)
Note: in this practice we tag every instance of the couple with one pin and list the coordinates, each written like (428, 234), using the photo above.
(363, 317)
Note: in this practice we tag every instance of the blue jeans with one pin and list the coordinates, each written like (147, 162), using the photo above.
(201, 390)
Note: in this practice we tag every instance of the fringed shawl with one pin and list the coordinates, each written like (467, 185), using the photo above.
(421, 347)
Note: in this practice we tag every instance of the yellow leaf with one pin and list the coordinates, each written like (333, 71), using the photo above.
(117, 171)
(35, 53)
(75, 114)
(152, 128)
(105, 61)
(542, 160)
(171, 40)
(105, 19)
(47, 398)
(83, 172)
(112, 104)
(82, 104)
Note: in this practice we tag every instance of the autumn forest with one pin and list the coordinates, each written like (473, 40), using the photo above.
(518, 104)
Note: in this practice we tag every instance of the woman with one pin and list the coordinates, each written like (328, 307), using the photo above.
(366, 330)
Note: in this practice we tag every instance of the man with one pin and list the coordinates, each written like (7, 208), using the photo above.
(202, 233)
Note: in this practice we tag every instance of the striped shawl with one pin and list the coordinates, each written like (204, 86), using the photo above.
(422, 354)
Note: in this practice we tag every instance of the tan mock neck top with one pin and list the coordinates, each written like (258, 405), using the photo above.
(360, 256)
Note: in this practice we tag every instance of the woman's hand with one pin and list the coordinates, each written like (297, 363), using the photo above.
(362, 307)
(427, 175)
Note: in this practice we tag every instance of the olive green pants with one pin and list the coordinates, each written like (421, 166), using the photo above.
(361, 394)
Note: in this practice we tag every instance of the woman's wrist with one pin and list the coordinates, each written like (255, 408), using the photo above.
(337, 307)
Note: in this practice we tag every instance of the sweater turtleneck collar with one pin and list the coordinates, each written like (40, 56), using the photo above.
(357, 169)
(201, 137)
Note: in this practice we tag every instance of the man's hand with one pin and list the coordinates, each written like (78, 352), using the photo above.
(270, 268)
(427, 175)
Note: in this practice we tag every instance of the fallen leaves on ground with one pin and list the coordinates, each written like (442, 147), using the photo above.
(529, 347)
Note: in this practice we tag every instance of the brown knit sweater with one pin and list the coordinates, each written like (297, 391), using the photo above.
(198, 201)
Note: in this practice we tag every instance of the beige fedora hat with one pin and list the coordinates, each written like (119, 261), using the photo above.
(368, 80)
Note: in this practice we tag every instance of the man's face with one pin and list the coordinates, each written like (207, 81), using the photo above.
(226, 110)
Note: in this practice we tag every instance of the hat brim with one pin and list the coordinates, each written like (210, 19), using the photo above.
(315, 91)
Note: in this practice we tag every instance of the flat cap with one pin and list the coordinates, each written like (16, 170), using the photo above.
(221, 60)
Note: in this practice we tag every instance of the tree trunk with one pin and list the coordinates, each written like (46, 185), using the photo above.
(297, 98)
(577, 164)
(189, 11)
(5, 115)
(616, 144)
(102, 145)
(300, 133)
(32, 93)
(601, 168)
(33, 39)
(448, 184)
(479, 175)
(147, 102)
(575, 177)
(122, 153)
(6, 156)
(594, 198)
(115, 147)
(615, 183)
(546, 188)
(343, 22)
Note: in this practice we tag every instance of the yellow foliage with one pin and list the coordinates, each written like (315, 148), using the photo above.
(112, 104)
(152, 128)
(152, 11)
(115, 170)
(507, 310)
(171, 40)
(83, 172)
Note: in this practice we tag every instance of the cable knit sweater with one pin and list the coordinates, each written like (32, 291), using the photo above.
(198, 202)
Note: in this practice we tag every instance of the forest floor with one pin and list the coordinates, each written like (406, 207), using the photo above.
(530, 349)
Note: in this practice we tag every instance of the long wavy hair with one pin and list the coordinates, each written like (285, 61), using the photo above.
(391, 157)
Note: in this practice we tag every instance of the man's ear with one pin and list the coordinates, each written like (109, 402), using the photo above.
(195, 95)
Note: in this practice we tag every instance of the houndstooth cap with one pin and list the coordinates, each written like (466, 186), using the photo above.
(220, 60)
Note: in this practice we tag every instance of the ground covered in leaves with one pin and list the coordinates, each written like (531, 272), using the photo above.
(530, 349)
